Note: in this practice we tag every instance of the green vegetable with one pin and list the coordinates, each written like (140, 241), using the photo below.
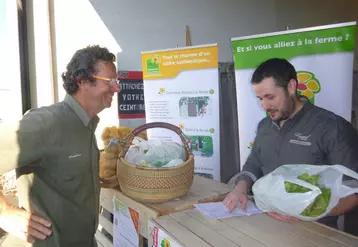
(321, 202)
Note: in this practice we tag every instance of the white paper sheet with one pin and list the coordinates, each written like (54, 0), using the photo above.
(218, 210)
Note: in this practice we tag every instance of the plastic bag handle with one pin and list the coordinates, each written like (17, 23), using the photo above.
(346, 190)
(152, 125)
(345, 171)
(304, 184)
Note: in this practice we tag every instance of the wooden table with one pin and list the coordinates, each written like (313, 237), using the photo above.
(202, 190)
(190, 228)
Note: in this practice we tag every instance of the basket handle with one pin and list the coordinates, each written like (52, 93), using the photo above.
(152, 125)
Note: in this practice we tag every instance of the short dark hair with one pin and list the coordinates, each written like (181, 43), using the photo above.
(83, 66)
(281, 70)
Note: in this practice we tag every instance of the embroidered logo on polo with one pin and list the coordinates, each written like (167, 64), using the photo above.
(74, 156)
(301, 139)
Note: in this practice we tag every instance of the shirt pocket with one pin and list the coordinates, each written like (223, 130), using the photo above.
(302, 152)
(71, 171)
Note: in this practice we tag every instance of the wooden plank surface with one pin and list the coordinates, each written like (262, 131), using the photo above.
(293, 232)
(295, 229)
(251, 231)
(99, 244)
(333, 234)
(106, 224)
(104, 241)
(235, 236)
(205, 232)
(202, 190)
(266, 233)
(180, 232)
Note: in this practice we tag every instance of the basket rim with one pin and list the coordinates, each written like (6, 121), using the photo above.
(156, 168)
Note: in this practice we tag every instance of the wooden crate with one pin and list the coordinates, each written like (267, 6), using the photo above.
(104, 234)
(190, 228)
(202, 190)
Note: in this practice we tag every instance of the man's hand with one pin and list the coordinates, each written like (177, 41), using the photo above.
(23, 224)
(345, 205)
(283, 218)
(111, 182)
(239, 194)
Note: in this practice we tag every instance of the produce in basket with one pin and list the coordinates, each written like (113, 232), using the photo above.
(112, 138)
(155, 153)
(321, 202)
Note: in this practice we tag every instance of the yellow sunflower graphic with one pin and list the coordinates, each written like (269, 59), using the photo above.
(181, 126)
(308, 85)
(155, 59)
(161, 90)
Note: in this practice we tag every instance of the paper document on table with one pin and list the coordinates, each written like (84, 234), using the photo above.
(218, 210)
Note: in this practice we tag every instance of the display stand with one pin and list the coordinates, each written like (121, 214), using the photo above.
(202, 190)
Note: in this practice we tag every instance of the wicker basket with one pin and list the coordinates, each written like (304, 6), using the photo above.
(155, 185)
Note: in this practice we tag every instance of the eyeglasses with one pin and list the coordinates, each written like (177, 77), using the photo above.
(111, 81)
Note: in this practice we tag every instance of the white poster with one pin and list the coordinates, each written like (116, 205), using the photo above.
(125, 225)
(181, 87)
(323, 58)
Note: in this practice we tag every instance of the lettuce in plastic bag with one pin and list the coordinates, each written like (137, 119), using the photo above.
(321, 202)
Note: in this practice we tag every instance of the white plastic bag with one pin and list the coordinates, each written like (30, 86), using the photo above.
(271, 196)
(155, 153)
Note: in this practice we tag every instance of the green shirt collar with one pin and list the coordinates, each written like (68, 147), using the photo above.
(81, 113)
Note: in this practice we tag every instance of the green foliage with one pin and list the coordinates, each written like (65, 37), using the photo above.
(321, 202)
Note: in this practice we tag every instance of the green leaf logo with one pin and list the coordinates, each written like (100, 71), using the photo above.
(153, 64)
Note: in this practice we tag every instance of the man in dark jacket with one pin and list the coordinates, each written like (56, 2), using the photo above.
(295, 132)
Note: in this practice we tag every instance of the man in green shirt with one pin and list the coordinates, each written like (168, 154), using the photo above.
(55, 154)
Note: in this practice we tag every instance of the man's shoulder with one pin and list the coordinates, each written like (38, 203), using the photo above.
(47, 115)
(327, 118)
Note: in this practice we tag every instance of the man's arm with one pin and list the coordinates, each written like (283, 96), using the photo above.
(245, 179)
(251, 170)
(342, 148)
(22, 143)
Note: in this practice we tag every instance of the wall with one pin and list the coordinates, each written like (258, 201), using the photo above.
(159, 24)
(307, 13)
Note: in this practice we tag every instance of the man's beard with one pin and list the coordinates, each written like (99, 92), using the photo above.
(288, 109)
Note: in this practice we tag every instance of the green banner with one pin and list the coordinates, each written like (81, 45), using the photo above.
(339, 39)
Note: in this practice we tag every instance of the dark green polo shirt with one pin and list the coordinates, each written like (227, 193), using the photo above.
(56, 157)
